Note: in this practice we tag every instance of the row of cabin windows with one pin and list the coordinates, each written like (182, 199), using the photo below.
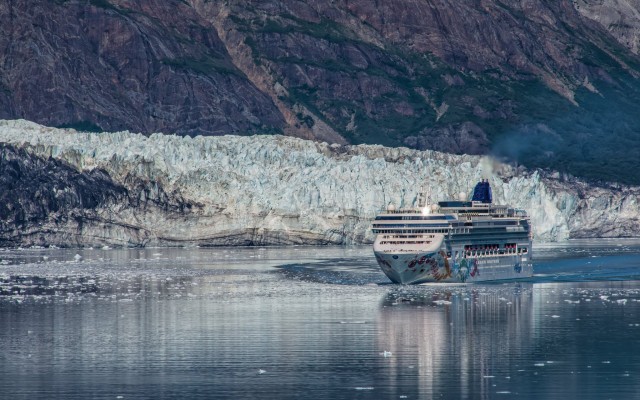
(408, 236)
(415, 218)
(492, 246)
(383, 231)
(410, 225)
(403, 242)
(453, 231)
(482, 229)
(483, 253)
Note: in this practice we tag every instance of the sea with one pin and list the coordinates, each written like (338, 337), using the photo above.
(314, 323)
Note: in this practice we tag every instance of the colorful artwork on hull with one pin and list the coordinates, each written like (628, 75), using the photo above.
(474, 271)
(383, 262)
(467, 268)
(517, 268)
(436, 270)
(422, 261)
(462, 270)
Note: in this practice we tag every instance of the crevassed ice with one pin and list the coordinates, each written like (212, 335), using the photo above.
(314, 192)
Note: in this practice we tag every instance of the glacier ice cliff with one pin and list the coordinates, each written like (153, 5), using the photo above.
(67, 188)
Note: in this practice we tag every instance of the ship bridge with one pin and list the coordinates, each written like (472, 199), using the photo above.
(478, 208)
(412, 221)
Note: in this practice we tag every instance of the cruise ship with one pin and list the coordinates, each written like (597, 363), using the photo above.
(454, 241)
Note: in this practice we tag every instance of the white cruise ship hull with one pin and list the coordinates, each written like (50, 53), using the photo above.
(455, 241)
(412, 268)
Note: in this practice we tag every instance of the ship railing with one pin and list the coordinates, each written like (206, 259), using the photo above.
(402, 211)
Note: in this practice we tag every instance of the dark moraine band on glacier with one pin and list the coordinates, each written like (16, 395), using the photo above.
(128, 189)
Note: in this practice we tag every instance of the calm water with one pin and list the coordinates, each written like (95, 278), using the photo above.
(309, 322)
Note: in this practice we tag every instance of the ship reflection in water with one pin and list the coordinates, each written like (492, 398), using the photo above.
(543, 340)
(459, 344)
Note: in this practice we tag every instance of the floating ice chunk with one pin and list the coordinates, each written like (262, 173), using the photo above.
(555, 316)
(261, 371)
(622, 301)
(606, 362)
(364, 388)
(502, 299)
(539, 364)
(402, 396)
(442, 302)
(488, 376)
(105, 247)
(386, 354)
(605, 298)
(503, 392)
(77, 257)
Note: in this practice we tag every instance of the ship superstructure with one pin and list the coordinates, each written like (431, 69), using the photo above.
(454, 241)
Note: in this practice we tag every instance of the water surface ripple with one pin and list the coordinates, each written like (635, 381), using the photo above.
(314, 322)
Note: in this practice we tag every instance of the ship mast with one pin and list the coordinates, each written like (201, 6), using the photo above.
(424, 198)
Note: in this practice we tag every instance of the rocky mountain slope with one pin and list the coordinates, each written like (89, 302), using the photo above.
(620, 17)
(145, 65)
(548, 83)
(61, 187)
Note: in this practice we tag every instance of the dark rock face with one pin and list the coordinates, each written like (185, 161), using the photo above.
(46, 201)
(466, 138)
(455, 76)
(145, 66)
(620, 17)
(35, 193)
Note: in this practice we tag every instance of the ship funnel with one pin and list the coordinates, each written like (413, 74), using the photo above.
(482, 192)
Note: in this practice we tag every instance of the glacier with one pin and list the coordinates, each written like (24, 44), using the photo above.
(168, 190)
